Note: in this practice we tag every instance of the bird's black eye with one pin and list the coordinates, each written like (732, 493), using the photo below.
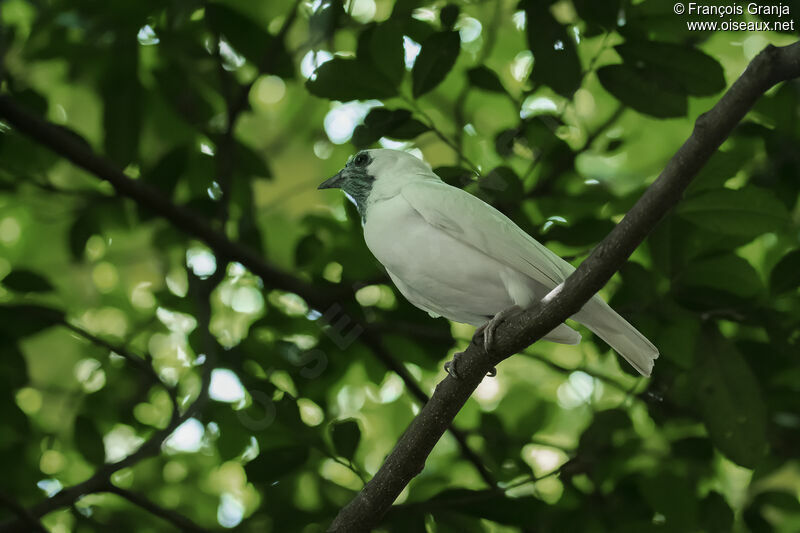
(361, 159)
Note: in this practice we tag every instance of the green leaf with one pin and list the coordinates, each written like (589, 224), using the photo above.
(673, 496)
(346, 79)
(345, 435)
(729, 400)
(88, 440)
(716, 515)
(382, 122)
(26, 281)
(746, 212)
(698, 73)
(722, 166)
(183, 92)
(448, 16)
(502, 184)
(307, 250)
(17, 321)
(604, 14)
(785, 275)
(165, 174)
(435, 60)
(274, 463)
(251, 40)
(556, 62)
(729, 273)
(491, 505)
(13, 367)
(644, 90)
(455, 176)
(122, 111)
(485, 78)
(382, 46)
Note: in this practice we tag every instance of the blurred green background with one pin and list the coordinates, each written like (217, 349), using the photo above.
(558, 113)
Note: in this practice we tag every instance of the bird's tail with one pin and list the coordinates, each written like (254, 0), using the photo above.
(604, 322)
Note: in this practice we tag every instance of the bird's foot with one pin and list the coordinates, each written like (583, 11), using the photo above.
(450, 368)
(488, 329)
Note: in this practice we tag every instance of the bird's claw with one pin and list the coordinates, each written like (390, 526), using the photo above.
(450, 368)
(488, 329)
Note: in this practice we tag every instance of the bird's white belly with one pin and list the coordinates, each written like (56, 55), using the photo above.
(438, 272)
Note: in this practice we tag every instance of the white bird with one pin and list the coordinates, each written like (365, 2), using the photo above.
(453, 255)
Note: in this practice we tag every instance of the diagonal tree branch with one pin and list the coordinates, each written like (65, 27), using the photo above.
(366, 510)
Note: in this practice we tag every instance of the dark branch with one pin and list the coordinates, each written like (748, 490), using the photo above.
(771, 66)
(173, 517)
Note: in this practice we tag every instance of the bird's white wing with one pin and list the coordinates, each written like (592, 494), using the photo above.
(478, 224)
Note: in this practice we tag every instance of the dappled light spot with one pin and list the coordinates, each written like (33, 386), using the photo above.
(187, 438)
(120, 442)
(10, 230)
(269, 90)
(543, 459)
(225, 386)
(323, 149)
(391, 388)
(51, 487)
(310, 413)
(174, 471)
(176, 322)
(342, 119)
(361, 10)
(537, 105)
(201, 261)
(89, 373)
(339, 474)
(425, 14)
(350, 399)
(469, 29)
(52, 462)
(147, 36)
(105, 277)
(521, 65)
(312, 61)
(411, 50)
(95, 247)
(108, 320)
(579, 389)
(247, 300)
(231, 59)
(29, 400)
(230, 510)
(214, 191)
(585, 103)
(519, 20)
(551, 221)
(206, 148)
(142, 297)
(488, 393)
(289, 303)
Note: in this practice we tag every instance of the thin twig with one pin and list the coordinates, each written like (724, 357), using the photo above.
(173, 517)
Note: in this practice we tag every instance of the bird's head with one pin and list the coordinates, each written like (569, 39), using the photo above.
(373, 174)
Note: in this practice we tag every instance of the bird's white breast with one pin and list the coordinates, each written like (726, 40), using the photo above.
(437, 272)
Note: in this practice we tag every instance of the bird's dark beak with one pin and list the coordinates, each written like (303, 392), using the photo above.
(333, 182)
